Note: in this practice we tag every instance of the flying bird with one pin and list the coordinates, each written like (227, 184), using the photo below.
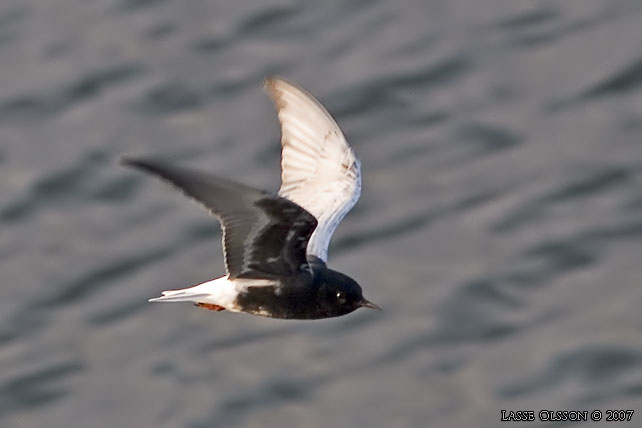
(276, 245)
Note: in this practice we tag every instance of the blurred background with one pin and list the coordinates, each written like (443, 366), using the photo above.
(500, 225)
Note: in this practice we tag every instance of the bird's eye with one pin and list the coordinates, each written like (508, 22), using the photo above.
(340, 297)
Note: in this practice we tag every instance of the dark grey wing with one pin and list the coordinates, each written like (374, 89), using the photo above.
(265, 236)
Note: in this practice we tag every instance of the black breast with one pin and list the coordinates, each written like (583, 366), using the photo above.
(298, 297)
(293, 299)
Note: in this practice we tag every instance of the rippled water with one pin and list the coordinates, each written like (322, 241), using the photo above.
(500, 225)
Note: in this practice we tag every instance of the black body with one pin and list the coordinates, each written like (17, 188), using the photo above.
(325, 293)
(265, 237)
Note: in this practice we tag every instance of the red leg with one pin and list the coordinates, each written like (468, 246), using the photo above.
(210, 306)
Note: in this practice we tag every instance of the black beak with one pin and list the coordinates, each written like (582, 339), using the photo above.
(367, 304)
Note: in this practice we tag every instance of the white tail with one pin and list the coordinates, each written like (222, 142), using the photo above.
(218, 291)
(185, 295)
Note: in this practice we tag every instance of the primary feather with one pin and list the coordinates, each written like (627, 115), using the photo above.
(319, 171)
(264, 236)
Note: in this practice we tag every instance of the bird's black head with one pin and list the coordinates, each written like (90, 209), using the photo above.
(339, 295)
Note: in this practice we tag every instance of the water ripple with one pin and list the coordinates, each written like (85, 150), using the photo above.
(589, 185)
(605, 366)
(94, 280)
(38, 388)
(38, 106)
(627, 79)
(171, 97)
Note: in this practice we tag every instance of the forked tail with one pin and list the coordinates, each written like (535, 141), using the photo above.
(186, 295)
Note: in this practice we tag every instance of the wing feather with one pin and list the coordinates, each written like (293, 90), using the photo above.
(319, 170)
(264, 236)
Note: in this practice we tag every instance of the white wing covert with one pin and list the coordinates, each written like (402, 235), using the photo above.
(319, 171)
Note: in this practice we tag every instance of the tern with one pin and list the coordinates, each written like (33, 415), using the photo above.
(276, 245)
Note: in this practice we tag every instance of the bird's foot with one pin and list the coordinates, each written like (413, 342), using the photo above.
(210, 306)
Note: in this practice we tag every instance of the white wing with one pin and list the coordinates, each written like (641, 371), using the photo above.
(319, 171)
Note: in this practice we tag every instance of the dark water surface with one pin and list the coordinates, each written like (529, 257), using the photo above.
(500, 225)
